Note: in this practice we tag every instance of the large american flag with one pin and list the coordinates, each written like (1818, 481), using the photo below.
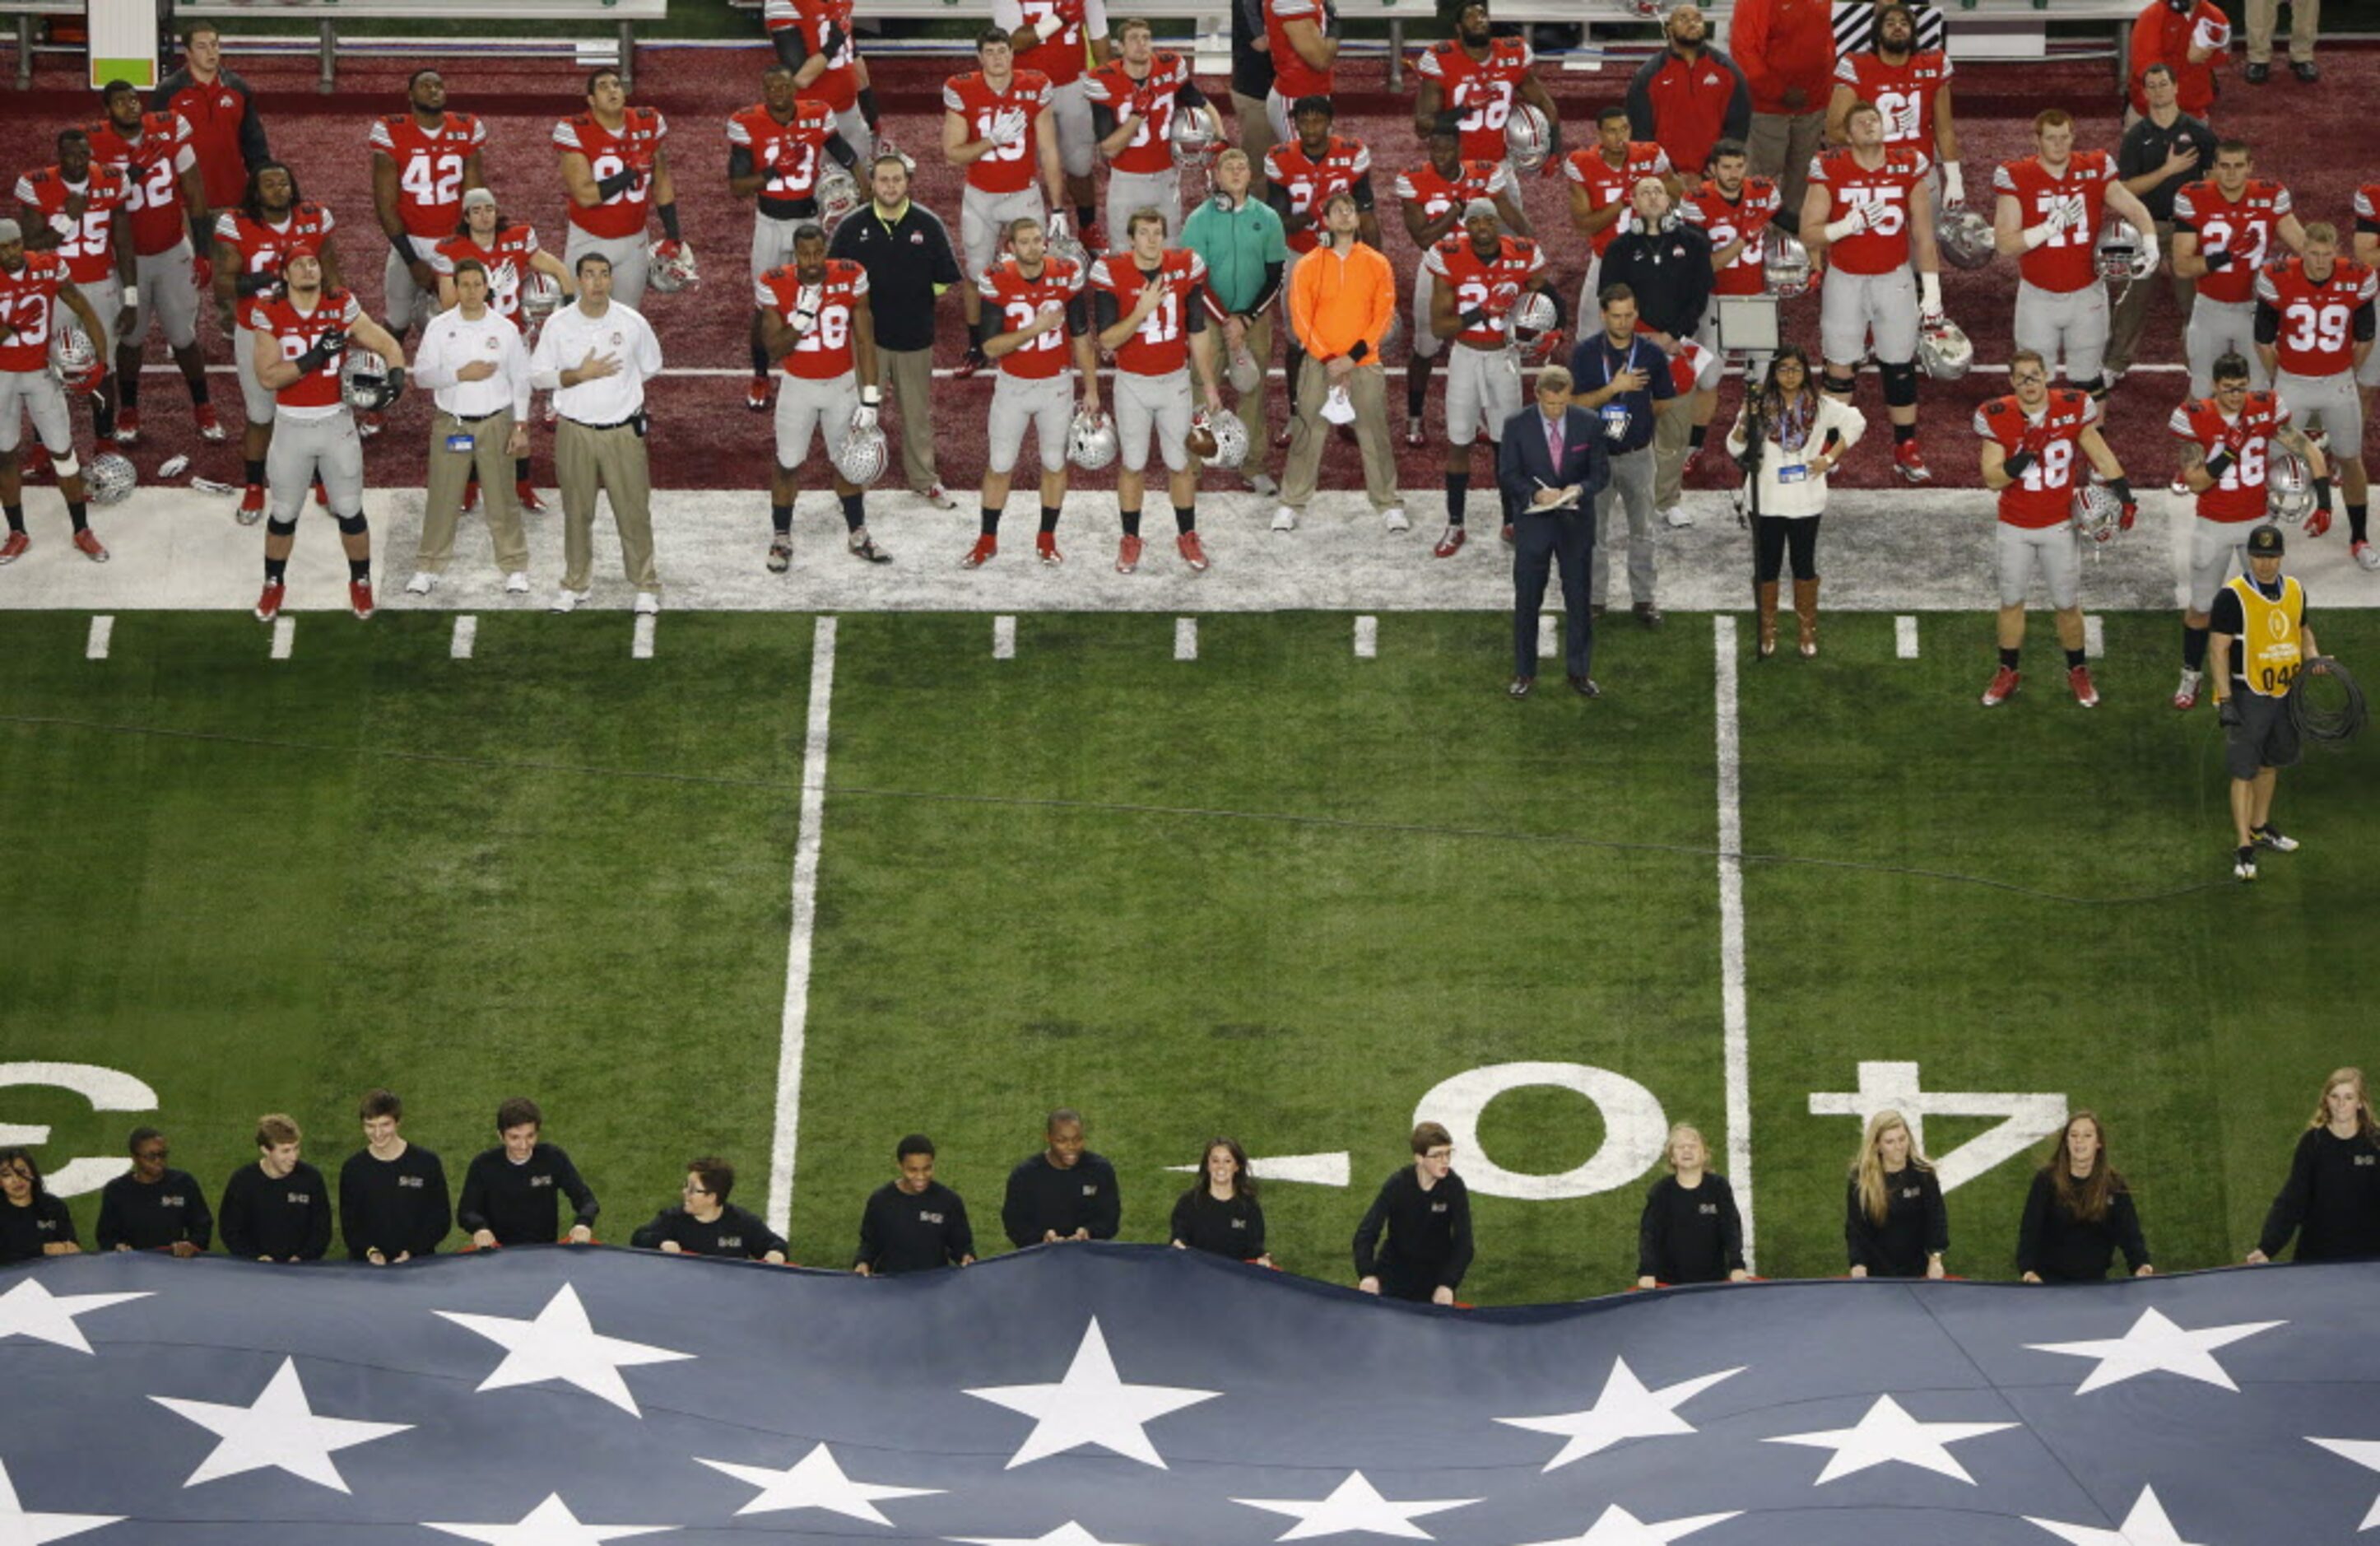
(1082, 1394)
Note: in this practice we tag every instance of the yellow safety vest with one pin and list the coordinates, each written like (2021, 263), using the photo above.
(2270, 648)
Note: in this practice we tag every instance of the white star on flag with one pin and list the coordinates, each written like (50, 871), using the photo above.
(279, 1431)
(18, 1527)
(1617, 1526)
(2364, 1452)
(815, 1481)
(30, 1309)
(1354, 1504)
(550, 1523)
(1625, 1410)
(2156, 1344)
(561, 1344)
(2144, 1525)
(1091, 1406)
(1886, 1433)
(1067, 1534)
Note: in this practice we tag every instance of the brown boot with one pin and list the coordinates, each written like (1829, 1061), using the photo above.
(1805, 607)
(1765, 593)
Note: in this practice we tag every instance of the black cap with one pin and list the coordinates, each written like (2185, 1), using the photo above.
(2265, 543)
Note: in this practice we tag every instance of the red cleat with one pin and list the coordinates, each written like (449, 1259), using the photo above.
(1450, 542)
(1910, 462)
(14, 548)
(2003, 688)
(756, 395)
(986, 547)
(359, 598)
(470, 496)
(1045, 548)
(128, 426)
(87, 543)
(251, 504)
(211, 428)
(525, 495)
(268, 605)
(1128, 555)
(1095, 238)
(1193, 552)
(2079, 679)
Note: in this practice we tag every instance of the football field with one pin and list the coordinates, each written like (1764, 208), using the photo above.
(1280, 890)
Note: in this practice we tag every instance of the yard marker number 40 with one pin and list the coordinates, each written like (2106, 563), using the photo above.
(2025, 1119)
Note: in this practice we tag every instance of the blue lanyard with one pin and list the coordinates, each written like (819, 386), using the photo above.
(1629, 363)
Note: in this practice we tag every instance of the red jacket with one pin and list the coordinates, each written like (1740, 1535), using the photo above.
(1687, 108)
(2160, 37)
(1783, 46)
(226, 134)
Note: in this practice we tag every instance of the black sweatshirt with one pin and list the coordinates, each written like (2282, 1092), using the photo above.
(1429, 1236)
(1914, 1226)
(2059, 1248)
(1690, 1236)
(399, 1206)
(519, 1203)
(2331, 1201)
(736, 1231)
(901, 1232)
(152, 1215)
(1042, 1197)
(1235, 1229)
(288, 1220)
(43, 1221)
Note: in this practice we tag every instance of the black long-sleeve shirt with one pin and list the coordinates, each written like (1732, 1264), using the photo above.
(287, 1220)
(1428, 1242)
(1690, 1235)
(2331, 1201)
(914, 1232)
(397, 1207)
(2056, 1246)
(151, 1215)
(1669, 271)
(1042, 1197)
(735, 1231)
(43, 1221)
(520, 1204)
(1235, 1228)
(1915, 1225)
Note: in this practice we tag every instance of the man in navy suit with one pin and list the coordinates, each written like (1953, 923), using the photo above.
(1550, 466)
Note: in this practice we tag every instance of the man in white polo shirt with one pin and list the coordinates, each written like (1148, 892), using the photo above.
(595, 357)
(474, 360)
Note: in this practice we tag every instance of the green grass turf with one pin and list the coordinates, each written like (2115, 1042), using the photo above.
(274, 927)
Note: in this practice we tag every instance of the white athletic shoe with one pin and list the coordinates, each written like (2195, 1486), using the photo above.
(939, 497)
(649, 602)
(421, 584)
(1284, 518)
(1394, 520)
(1678, 515)
(516, 583)
(2367, 556)
(1262, 486)
(568, 600)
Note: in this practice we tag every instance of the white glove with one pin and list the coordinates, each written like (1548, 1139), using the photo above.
(1059, 226)
(1008, 126)
(2076, 215)
(1049, 27)
(1051, 309)
(806, 301)
(1929, 298)
(1954, 185)
(863, 418)
(2145, 253)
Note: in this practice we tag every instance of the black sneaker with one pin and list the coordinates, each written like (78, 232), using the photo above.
(2304, 70)
(2271, 836)
(2255, 74)
(2243, 864)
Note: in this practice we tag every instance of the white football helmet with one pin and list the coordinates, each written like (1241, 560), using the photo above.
(2119, 252)
(2288, 485)
(1786, 270)
(540, 293)
(1195, 138)
(1528, 137)
(1092, 442)
(74, 364)
(670, 274)
(1966, 239)
(1231, 437)
(838, 194)
(1533, 315)
(860, 460)
(2099, 513)
(109, 477)
(1943, 349)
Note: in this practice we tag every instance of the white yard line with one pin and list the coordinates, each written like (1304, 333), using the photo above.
(1185, 638)
(1904, 637)
(794, 1028)
(285, 636)
(640, 645)
(1367, 637)
(466, 637)
(1003, 638)
(103, 628)
(1731, 929)
(2094, 635)
(1548, 648)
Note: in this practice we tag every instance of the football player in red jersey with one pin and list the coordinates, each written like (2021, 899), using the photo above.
(2225, 227)
(1431, 198)
(813, 38)
(615, 170)
(83, 214)
(1065, 39)
(2030, 440)
(169, 236)
(1150, 306)
(996, 123)
(1480, 78)
(510, 254)
(1134, 98)
(253, 244)
(2226, 440)
(819, 325)
(2315, 322)
(2367, 252)
(1735, 211)
(1303, 38)
(1042, 317)
(1301, 172)
(33, 285)
(423, 160)
(1910, 87)
(2049, 208)
(1863, 215)
(775, 152)
(1478, 277)
(1602, 179)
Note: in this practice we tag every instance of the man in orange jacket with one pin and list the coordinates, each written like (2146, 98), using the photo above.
(1786, 49)
(1341, 297)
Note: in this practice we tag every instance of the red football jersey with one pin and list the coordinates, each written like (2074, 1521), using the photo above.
(790, 152)
(1162, 345)
(88, 245)
(1483, 91)
(1883, 246)
(429, 168)
(824, 352)
(153, 170)
(506, 260)
(1439, 193)
(1292, 76)
(1749, 217)
(1003, 168)
(263, 247)
(2240, 495)
(1150, 150)
(1904, 94)
(297, 331)
(2367, 208)
(1061, 56)
(1606, 185)
(26, 297)
(609, 152)
(820, 20)
(2069, 261)
(2246, 228)
(1016, 301)
(2044, 494)
(2317, 336)
(1494, 285)
(1311, 181)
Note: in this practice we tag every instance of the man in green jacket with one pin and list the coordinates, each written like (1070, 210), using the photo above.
(1241, 241)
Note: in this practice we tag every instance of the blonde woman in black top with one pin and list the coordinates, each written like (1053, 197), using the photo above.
(2331, 1201)
(1691, 1230)
(1894, 1224)
(2078, 1212)
(1221, 1213)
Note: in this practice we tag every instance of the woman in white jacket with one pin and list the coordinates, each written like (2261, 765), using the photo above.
(1804, 435)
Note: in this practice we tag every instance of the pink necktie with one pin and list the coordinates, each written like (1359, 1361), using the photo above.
(1554, 442)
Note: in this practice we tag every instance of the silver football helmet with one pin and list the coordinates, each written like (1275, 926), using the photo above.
(674, 272)
(1533, 315)
(860, 460)
(1230, 438)
(2288, 485)
(1965, 239)
(838, 195)
(367, 383)
(74, 364)
(2119, 252)
(1528, 137)
(109, 477)
(1786, 269)
(539, 294)
(2099, 513)
(1194, 136)
(1943, 349)
(1092, 442)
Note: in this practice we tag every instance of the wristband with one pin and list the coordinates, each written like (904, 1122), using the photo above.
(1048, 26)
(131, 296)
(616, 184)
(668, 214)
(2014, 466)
(2321, 495)
(2217, 465)
(2123, 487)
(2036, 236)
(2216, 262)
(869, 396)
(1361, 352)
(1473, 317)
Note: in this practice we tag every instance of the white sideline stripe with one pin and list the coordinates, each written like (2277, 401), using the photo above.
(795, 1025)
(2094, 635)
(285, 636)
(1904, 637)
(102, 629)
(1547, 648)
(1367, 638)
(1730, 931)
(1185, 638)
(466, 636)
(1003, 638)
(641, 647)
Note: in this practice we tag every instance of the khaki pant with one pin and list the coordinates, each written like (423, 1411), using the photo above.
(1367, 389)
(1250, 405)
(1256, 137)
(614, 461)
(1671, 431)
(1781, 146)
(908, 375)
(2124, 329)
(2305, 20)
(487, 461)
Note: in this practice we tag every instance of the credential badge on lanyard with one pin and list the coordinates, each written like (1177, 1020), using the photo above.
(1615, 413)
